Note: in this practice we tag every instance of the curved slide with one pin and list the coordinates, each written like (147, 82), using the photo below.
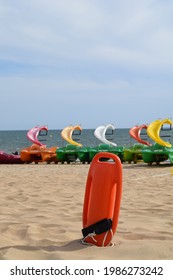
(153, 131)
(33, 134)
(135, 133)
(38, 152)
(100, 133)
(67, 134)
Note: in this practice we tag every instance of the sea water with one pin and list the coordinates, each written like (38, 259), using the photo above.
(11, 141)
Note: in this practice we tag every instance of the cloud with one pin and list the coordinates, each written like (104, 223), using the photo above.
(87, 30)
(83, 50)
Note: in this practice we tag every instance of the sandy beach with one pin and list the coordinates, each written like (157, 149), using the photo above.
(41, 213)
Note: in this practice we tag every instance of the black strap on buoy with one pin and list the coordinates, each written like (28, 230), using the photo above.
(98, 228)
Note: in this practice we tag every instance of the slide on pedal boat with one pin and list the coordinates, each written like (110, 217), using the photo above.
(69, 153)
(106, 145)
(154, 129)
(67, 134)
(86, 154)
(134, 153)
(38, 152)
(161, 150)
(102, 200)
(135, 133)
(33, 153)
(33, 133)
(101, 131)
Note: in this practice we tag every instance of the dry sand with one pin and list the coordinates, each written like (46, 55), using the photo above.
(41, 213)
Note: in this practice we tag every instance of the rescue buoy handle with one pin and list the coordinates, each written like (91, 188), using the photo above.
(98, 228)
(99, 157)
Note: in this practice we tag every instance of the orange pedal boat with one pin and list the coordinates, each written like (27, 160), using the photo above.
(38, 152)
(102, 199)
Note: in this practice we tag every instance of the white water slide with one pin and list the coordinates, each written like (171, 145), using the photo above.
(100, 133)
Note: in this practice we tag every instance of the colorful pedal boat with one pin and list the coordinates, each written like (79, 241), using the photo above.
(49, 155)
(117, 150)
(68, 154)
(134, 153)
(6, 158)
(31, 154)
(156, 154)
(83, 154)
(36, 154)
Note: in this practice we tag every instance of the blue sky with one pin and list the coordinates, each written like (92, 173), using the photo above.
(87, 62)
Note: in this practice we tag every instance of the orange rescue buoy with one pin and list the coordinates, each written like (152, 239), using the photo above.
(102, 199)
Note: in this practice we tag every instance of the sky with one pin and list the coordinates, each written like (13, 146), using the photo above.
(87, 62)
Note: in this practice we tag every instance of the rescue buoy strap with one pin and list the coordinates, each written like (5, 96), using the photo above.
(98, 228)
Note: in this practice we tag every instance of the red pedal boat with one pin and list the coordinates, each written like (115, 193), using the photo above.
(9, 158)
